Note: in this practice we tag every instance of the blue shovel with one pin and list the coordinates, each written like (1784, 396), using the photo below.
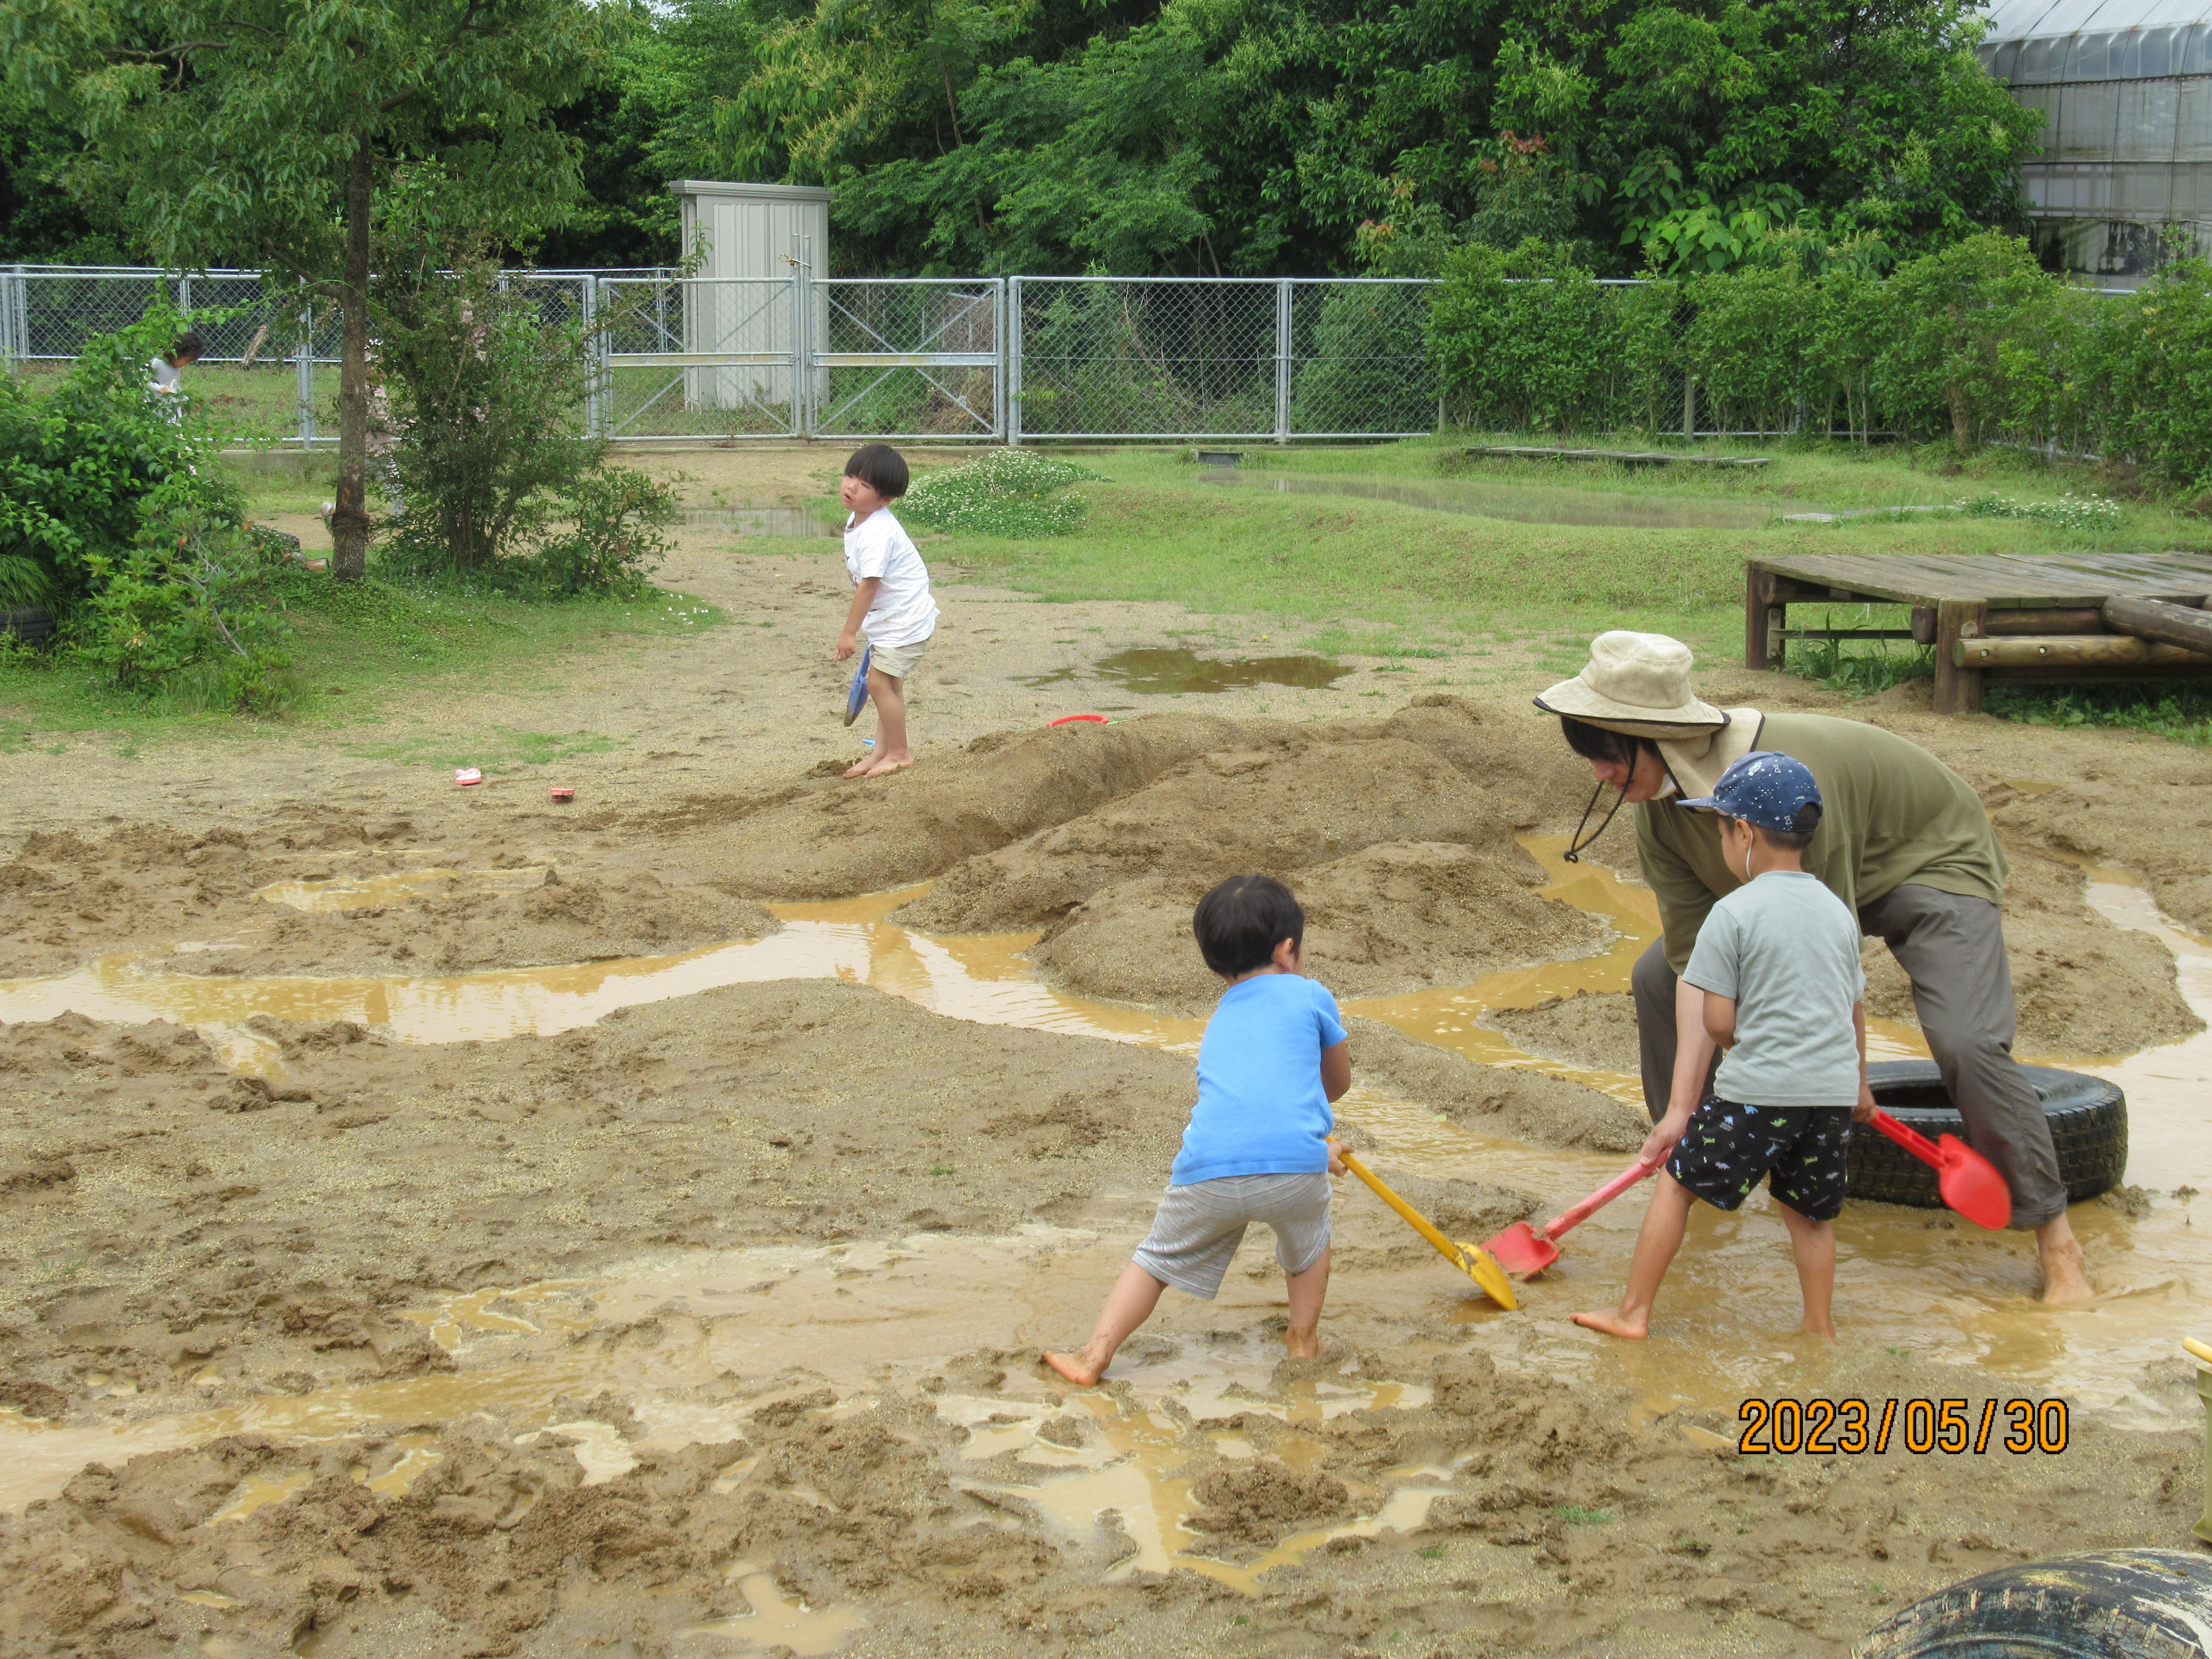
(856, 699)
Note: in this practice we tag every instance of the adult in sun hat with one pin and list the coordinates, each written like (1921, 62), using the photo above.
(1903, 841)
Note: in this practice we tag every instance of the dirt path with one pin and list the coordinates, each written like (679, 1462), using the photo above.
(707, 1325)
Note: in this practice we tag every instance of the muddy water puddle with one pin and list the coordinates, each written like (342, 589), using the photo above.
(1520, 504)
(871, 1316)
(1160, 672)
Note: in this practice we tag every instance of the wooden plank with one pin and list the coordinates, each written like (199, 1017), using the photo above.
(2001, 579)
(2149, 619)
(2079, 650)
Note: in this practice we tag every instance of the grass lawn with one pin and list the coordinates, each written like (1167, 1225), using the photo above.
(1345, 572)
(364, 658)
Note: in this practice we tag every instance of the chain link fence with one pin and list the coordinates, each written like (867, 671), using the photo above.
(939, 359)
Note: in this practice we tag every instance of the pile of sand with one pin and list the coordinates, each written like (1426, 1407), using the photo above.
(1594, 1031)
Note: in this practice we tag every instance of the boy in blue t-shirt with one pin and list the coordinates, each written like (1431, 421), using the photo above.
(1257, 1148)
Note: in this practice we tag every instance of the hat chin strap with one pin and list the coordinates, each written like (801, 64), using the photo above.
(1698, 762)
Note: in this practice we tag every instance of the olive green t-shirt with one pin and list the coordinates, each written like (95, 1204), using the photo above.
(1890, 813)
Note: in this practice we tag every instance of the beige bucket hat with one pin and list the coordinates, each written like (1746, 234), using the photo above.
(1638, 684)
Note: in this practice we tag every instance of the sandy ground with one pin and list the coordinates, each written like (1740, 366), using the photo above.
(687, 1331)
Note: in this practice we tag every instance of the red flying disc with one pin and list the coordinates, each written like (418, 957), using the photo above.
(1085, 719)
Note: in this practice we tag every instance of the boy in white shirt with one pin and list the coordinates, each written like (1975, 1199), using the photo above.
(890, 599)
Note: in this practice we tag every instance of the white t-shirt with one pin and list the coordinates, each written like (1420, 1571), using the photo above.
(903, 613)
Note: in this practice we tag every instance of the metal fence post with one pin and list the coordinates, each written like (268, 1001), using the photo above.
(595, 349)
(998, 342)
(1283, 359)
(304, 361)
(1013, 376)
(11, 310)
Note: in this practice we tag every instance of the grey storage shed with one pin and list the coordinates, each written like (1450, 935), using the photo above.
(762, 244)
(2127, 155)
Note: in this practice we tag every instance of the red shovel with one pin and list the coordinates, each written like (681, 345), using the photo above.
(1969, 1182)
(1524, 1249)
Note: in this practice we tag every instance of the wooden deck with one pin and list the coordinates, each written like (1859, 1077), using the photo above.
(2047, 606)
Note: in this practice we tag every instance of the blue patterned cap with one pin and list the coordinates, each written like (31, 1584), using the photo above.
(1764, 789)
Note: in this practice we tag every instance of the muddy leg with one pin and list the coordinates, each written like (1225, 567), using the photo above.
(1661, 1236)
(1308, 1291)
(1128, 1305)
(1814, 1245)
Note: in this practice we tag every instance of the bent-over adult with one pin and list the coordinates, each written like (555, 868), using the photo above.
(1903, 840)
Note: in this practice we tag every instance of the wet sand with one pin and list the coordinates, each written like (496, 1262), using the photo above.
(446, 1225)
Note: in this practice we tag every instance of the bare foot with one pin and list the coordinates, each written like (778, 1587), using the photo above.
(858, 768)
(1614, 1323)
(886, 766)
(1827, 1328)
(2065, 1273)
(1302, 1345)
(1071, 1366)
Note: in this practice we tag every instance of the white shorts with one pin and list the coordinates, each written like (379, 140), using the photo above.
(896, 661)
(1195, 1235)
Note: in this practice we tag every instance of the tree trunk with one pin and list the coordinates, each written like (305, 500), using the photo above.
(349, 521)
(1962, 419)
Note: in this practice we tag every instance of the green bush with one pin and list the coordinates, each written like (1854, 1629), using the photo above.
(1527, 341)
(1974, 344)
(114, 512)
(1008, 492)
(500, 482)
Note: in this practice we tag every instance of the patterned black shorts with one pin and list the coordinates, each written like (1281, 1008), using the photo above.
(1803, 1149)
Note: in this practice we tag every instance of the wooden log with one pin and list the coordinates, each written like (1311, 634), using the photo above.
(2001, 623)
(1924, 624)
(2077, 674)
(2075, 650)
(1957, 683)
(2155, 619)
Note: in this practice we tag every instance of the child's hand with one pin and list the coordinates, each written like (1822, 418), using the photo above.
(846, 644)
(1864, 1111)
(1335, 1157)
(1661, 1141)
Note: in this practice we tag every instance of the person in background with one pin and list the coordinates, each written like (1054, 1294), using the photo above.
(167, 379)
(892, 601)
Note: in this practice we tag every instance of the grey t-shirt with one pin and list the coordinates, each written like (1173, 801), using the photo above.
(1787, 950)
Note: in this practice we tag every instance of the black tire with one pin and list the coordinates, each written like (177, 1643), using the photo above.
(2088, 1121)
(30, 624)
(2118, 1604)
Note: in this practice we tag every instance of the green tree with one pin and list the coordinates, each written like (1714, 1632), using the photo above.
(261, 131)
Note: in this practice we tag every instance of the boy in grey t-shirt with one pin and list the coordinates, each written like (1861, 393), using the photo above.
(1777, 961)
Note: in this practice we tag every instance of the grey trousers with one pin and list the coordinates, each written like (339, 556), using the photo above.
(1954, 951)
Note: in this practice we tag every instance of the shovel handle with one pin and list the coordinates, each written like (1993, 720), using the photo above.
(1418, 1222)
(1574, 1216)
(1911, 1139)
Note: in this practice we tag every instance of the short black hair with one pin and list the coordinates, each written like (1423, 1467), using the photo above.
(1239, 924)
(880, 467)
(189, 344)
(1600, 743)
(1799, 836)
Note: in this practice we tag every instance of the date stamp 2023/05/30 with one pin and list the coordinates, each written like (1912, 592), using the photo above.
(1851, 1428)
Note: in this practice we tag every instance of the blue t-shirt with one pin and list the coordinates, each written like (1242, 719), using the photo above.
(1261, 1109)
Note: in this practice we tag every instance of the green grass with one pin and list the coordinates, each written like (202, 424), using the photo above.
(368, 659)
(1352, 575)
(1380, 578)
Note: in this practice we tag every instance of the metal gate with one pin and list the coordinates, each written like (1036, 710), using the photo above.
(797, 358)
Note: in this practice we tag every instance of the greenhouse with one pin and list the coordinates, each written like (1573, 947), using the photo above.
(2127, 85)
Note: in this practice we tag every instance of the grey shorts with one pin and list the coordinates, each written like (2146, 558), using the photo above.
(896, 661)
(1196, 1232)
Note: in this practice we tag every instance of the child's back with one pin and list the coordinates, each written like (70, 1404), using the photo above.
(1262, 1108)
(1787, 950)
(1256, 1148)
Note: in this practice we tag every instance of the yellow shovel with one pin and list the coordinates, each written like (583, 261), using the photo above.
(1470, 1259)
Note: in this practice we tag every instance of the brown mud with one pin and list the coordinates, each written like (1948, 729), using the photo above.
(687, 1303)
